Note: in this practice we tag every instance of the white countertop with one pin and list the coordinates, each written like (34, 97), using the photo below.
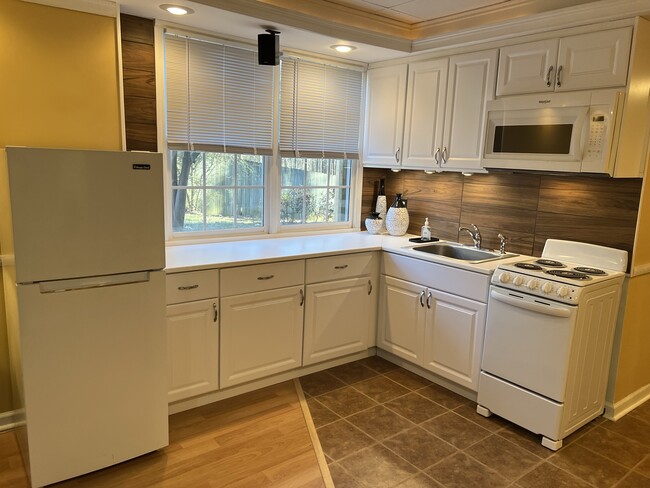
(194, 257)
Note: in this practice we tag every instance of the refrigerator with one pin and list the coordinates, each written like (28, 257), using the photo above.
(82, 241)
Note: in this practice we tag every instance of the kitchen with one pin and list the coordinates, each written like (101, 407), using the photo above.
(453, 199)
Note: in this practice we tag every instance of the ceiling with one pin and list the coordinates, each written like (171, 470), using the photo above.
(380, 29)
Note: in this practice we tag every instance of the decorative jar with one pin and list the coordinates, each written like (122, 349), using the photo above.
(397, 217)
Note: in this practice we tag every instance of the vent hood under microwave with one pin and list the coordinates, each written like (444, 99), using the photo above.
(560, 132)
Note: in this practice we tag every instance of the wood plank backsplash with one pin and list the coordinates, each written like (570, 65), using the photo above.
(139, 77)
(527, 208)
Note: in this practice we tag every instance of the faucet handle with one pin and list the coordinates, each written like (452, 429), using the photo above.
(502, 244)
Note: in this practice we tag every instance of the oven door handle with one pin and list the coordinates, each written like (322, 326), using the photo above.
(535, 307)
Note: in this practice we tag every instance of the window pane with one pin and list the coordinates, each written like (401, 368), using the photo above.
(291, 206)
(250, 202)
(317, 170)
(340, 172)
(187, 210)
(219, 209)
(187, 168)
(339, 204)
(316, 202)
(250, 170)
(293, 171)
(219, 169)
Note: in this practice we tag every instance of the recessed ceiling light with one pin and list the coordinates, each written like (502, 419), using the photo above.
(343, 48)
(176, 9)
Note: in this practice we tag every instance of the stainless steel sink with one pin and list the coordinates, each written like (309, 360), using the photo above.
(462, 253)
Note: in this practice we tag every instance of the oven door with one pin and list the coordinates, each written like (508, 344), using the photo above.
(527, 341)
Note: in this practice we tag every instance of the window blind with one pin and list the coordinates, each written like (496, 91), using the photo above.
(218, 98)
(320, 107)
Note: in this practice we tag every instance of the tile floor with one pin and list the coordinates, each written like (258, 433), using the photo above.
(383, 426)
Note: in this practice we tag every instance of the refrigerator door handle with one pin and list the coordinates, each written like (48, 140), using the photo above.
(73, 284)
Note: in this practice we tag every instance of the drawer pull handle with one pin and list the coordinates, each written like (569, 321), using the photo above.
(422, 298)
(189, 287)
(216, 312)
(341, 267)
(369, 287)
(268, 277)
(302, 297)
(429, 300)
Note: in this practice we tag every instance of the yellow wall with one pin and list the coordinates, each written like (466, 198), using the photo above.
(58, 88)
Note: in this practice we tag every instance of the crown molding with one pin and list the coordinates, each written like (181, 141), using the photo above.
(591, 13)
(335, 21)
(106, 8)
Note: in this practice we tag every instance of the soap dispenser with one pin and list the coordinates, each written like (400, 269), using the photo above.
(425, 234)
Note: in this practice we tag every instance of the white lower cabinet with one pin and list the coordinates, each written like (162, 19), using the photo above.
(261, 334)
(438, 331)
(192, 348)
(339, 318)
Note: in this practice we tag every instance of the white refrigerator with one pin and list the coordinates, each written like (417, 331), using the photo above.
(82, 241)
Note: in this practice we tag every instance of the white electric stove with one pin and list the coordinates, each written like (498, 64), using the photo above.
(548, 338)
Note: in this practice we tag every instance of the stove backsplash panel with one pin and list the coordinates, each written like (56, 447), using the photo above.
(528, 208)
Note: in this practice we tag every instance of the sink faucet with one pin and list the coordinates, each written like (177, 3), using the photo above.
(475, 235)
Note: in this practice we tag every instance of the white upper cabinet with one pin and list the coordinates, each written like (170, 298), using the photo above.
(470, 85)
(587, 61)
(425, 114)
(384, 119)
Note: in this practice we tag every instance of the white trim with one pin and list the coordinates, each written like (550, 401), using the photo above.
(615, 411)
(218, 395)
(9, 420)
(107, 8)
(120, 78)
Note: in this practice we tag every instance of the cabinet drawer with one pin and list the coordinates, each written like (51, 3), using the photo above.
(193, 285)
(338, 267)
(260, 277)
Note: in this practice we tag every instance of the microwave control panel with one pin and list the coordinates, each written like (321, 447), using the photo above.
(597, 141)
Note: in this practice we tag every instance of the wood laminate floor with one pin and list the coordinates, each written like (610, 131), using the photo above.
(259, 439)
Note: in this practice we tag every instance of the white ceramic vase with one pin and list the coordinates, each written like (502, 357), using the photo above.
(397, 221)
(380, 208)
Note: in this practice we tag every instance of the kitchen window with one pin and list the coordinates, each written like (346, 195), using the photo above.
(234, 166)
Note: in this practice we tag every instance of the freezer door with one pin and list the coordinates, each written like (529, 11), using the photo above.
(85, 213)
(94, 373)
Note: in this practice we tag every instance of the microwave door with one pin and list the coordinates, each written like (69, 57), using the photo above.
(544, 139)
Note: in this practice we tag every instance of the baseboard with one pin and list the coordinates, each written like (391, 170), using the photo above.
(616, 410)
(8, 420)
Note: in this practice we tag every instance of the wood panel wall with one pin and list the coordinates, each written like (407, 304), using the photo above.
(527, 208)
(139, 76)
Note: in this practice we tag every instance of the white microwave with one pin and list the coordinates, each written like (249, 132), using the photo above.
(573, 132)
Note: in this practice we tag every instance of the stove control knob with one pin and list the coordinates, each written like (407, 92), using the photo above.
(533, 284)
(562, 291)
(518, 280)
(504, 277)
(547, 288)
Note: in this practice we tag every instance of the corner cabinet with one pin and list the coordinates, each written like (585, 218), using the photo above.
(384, 118)
(340, 306)
(436, 123)
(192, 333)
(587, 61)
(261, 321)
(436, 330)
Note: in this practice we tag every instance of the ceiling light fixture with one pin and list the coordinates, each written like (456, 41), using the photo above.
(343, 48)
(176, 9)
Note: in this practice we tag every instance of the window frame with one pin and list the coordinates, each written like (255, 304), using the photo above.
(272, 226)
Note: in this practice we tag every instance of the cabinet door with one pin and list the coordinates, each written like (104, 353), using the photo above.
(595, 60)
(384, 119)
(425, 114)
(401, 320)
(261, 334)
(527, 68)
(192, 348)
(339, 317)
(471, 84)
(453, 339)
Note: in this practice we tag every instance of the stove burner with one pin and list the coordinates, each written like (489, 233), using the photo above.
(565, 273)
(590, 271)
(550, 263)
(530, 266)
